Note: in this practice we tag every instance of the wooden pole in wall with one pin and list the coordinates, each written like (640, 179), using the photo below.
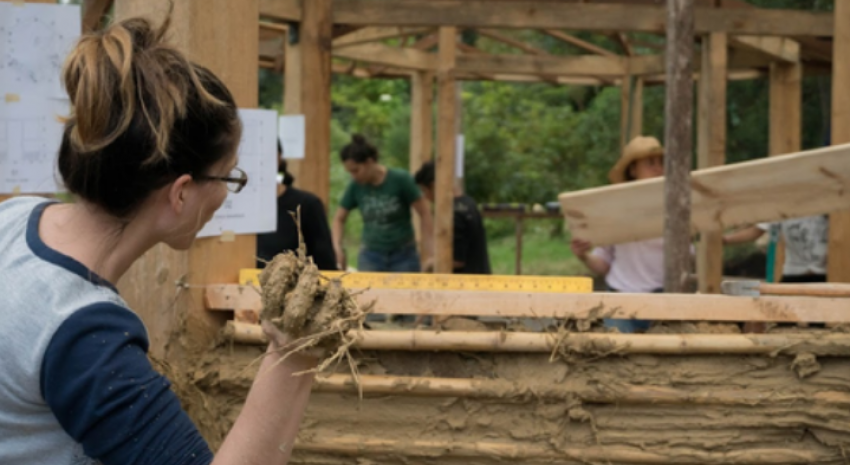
(446, 137)
(786, 98)
(839, 223)
(712, 148)
(678, 139)
(316, 36)
(211, 33)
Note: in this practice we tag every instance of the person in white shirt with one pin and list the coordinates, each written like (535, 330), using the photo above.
(634, 266)
(806, 241)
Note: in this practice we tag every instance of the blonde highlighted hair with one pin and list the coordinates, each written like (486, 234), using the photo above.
(142, 115)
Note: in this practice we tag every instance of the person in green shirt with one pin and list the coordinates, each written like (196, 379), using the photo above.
(384, 197)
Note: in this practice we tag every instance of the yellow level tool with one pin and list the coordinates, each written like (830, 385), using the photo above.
(448, 282)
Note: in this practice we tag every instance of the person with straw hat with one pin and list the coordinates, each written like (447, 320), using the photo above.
(634, 266)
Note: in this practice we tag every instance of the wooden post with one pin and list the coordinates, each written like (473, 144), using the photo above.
(839, 223)
(631, 109)
(292, 77)
(446, 139)
(712, 148)
(421, 129)
(678, 139)
(211, 33)
(421, 118)
(786, 96)
(316, 36)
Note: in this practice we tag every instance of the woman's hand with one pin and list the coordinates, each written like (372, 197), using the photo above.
(281, 342)
(581, 248)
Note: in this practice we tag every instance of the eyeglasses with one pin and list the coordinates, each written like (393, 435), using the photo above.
(236, 181)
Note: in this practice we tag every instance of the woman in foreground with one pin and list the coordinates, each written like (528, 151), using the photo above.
(149, 153)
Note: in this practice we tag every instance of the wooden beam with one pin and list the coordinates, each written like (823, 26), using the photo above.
(543, 14)
(678, 138)
(292, 95)
(839, 223)
(510, 304)
(582, 44)
(374, 34)
(624, 42)
(426, 42)
(407, 58)
(284, 10)
(711, 148)
(517, 44)
(778, 48)
(447, 108)
(768, 189)
(316, 36)
(174, 315)
(579, 65)
(93, 13)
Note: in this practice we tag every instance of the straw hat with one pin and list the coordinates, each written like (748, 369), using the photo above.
(640, 147)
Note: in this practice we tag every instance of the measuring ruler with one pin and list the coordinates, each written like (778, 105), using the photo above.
(448, 282)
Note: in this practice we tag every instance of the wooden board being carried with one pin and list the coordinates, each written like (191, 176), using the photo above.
(795, 185)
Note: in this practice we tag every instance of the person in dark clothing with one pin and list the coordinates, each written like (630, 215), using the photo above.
(314, 224)
(470, 239)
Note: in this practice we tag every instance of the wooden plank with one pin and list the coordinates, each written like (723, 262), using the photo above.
(543, 14)
(582, 44)
(374, 34)
(664, 307)
(578, 65)
(406, 58)
(284, 10)
(678, 138)
(316, 37)
(93, 13)
(778, 48)
(215, 38)
(447, 107)
(711, 149)
(800, 184)
(839, 222)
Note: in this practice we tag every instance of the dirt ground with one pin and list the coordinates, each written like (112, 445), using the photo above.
(727, 409)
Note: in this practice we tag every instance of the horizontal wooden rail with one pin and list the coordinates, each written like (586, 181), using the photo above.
(497, 341)
(366, 445)
(624, 394)
(670, 307)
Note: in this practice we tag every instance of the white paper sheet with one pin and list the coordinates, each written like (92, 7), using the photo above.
(292, 131)
(30, 135)
(459, 153)
(35, 39)
(254, 210)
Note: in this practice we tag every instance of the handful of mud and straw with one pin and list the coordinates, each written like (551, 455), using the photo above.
(314, 311)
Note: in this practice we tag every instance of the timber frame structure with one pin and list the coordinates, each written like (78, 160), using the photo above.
(312, 39)
(738, 41)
